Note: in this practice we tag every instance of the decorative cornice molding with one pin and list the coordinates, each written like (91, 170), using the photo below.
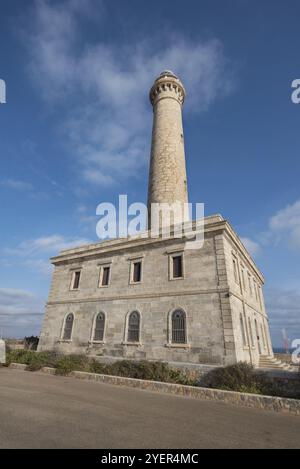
(212, 224)
(167, 86)
(141, 296)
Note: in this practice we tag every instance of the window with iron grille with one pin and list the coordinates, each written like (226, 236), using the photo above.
(105, 276)
(177, 266)
(68, 327)
(76, 280)
(137, 271)
(134, 327)
(178, 327)
(99, 327)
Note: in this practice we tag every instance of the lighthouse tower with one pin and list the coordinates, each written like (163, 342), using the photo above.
(167, 175)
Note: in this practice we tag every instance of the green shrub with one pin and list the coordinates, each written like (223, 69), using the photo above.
(41, 359)
(18, 356)
(96, 367)
(240, 377)
(155, 371)
(67, 363)
(33, 360)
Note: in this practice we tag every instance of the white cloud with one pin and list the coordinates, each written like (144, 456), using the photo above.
(102, 89)
(34, 253)
(252, 246)
(283, 228)
(16, 184)
(285, 225)
(86, 218)
(52, 244)
(21, 312)
(283, 307)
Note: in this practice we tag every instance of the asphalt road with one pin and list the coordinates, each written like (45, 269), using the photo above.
(42, 411)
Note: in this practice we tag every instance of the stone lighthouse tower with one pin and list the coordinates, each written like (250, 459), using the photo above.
(167, 175)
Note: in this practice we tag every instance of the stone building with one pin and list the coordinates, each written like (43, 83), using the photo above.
(150, 298)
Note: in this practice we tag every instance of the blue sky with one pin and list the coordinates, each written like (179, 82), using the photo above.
(76, 129)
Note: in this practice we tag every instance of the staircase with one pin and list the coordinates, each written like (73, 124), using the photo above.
(269, 363)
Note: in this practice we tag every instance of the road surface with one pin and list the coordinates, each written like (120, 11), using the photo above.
(43, 411)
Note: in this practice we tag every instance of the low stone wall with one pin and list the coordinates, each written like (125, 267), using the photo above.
(277, 404)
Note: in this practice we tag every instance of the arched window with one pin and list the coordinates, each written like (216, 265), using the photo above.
(178, 327)
(99, 327)
(68, 327)
(134, 327)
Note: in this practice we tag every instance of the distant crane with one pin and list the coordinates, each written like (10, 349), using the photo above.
(286, 341)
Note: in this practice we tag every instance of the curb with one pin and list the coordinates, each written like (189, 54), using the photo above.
(254, 401)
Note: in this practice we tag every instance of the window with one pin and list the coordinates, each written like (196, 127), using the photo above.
(251, 332)
(176, 264)
(99, 327)
(76, 280)
(177, 267)
(243, 277)
(235, 270)
(255, 290)
(178, 327)
(260, 296)
(134, 327)
(68, 327)
(250, 284)
(137, 271)
(243, 330)
(104, 276)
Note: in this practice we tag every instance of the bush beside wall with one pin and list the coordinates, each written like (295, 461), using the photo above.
(240, 377)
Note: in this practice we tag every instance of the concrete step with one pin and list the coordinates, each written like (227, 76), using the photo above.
(272, 363)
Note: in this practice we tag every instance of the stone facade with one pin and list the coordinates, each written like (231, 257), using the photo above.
(208, 293)
(211, 312)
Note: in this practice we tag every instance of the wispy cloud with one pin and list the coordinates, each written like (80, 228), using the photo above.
(34, 253)
(16, 184)
(86, 218)
(103, 88)
(21, 312)
(285, 225)
(284, 311)
(282, 228)
(252, 246)
(46, 244)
